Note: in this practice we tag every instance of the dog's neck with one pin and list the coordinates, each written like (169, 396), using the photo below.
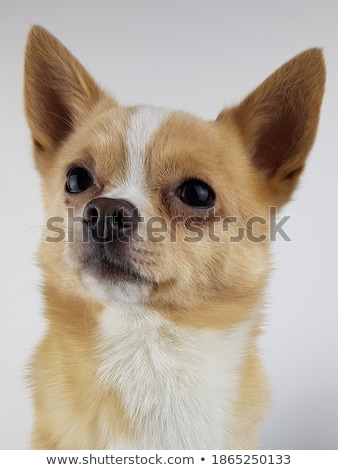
(178, 385)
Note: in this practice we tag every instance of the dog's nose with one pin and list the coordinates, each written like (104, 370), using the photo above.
(110, 219)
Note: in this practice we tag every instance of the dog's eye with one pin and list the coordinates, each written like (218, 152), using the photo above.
(197, 194)
(78, 179)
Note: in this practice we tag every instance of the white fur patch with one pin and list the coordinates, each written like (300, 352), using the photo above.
(109, 292)
(178, 384)
(143, 124)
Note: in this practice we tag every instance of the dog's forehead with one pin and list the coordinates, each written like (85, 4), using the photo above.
(144, 122)
(143, 125)
(164, 146)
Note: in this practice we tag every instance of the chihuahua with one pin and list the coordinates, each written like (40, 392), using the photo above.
(155, 255)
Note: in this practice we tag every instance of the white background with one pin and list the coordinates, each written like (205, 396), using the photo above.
(198, 55)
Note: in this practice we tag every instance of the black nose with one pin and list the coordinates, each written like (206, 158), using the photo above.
(110, 219)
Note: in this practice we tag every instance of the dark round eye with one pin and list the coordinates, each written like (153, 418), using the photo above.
(197, 194)
(78, 179)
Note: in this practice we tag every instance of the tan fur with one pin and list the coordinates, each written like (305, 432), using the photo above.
(252, 155)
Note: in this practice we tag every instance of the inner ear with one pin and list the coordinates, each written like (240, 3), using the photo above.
(279, 140)
(57, 120)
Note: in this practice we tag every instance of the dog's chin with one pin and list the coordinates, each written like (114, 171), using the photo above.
(110, 284)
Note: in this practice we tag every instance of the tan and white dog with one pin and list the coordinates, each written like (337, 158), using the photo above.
(155, 255)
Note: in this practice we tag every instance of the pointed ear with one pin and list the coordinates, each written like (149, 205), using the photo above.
(58, 91)
(278, 120)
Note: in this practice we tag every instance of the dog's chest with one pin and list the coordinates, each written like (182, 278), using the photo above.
(177, 385)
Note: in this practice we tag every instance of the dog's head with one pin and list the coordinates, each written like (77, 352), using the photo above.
(156, 206)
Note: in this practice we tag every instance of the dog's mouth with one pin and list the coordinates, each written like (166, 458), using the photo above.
(111, 281)
(113, 270)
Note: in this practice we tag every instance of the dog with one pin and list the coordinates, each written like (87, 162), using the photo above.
(155, 255)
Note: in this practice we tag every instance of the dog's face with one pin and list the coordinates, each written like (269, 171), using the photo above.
(157, 206)
(148, 199)
(154, 201)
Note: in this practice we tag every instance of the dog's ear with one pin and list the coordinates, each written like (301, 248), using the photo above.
(278, 121)
(58, 91)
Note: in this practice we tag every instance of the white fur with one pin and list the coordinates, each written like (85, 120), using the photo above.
(143, 124)
(109, 292)
(177, 384)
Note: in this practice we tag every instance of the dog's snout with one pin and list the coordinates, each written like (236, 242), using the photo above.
(110, 219)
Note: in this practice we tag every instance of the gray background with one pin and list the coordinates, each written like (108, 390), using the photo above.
(199, 56)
